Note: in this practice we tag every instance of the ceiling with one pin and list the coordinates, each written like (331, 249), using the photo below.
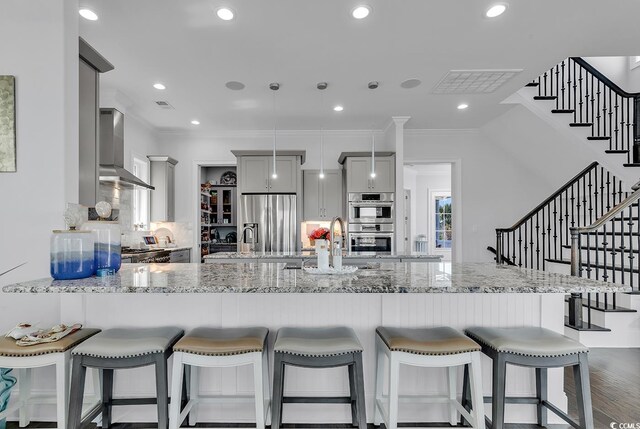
(301, 42)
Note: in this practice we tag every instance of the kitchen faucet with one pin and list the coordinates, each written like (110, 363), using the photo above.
(332, 236)
(251, 228)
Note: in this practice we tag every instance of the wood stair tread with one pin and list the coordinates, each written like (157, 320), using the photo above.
(562, 111)
(631, 165)
(532, 84)
(616, 151)
(592, 265)
(596, 138)
(544, 97)
(584, 327)
(606, 249)
(580, 124)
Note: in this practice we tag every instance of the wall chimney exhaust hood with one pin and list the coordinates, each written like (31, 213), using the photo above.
(112, 152)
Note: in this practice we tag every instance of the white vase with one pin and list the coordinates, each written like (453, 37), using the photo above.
(322, 250)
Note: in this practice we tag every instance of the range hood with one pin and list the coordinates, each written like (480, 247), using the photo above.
(112, 152)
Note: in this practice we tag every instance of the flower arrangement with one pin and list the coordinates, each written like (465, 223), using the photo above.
(319, 234)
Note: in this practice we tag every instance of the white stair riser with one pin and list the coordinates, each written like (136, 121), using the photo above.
(601, 257)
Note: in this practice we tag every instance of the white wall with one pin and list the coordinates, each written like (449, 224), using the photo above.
(618, 70)
(496, 188)
(41, 51)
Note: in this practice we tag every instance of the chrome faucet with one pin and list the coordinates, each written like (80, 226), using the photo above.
(253, 236)
(332, 237)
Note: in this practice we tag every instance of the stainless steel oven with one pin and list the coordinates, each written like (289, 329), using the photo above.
(371, 238)
(371, 208)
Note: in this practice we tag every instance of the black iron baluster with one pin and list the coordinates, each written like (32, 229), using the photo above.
(611, 117)
(604, 244)
(520, 246)
(622, 247)
(575, 104)
(590, 200)
(548, 236)
(545, 83)
(580, 90)
(526, 245)
(537, 242)
(584, 201)
(562, 65)
(555, 232)
(613, 246)
(513, 237)
(557, 87)
(631, 257)
(617, 128)
(531, 253)
(598, 116)
(586, 98)
(593, 115)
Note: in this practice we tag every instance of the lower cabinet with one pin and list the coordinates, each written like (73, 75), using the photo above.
(183, 256)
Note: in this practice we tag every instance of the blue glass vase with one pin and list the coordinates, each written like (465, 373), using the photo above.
(6, 383)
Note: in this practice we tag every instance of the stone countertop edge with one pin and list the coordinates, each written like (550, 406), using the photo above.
(385, 278)
(311, 255)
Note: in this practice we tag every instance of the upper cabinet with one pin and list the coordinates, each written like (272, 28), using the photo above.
(256, 174)
(358, 173)
(322, 197)
(163, 204)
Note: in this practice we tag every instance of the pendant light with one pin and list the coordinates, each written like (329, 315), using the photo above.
(322, 86)
(274, 87)
(373, 85)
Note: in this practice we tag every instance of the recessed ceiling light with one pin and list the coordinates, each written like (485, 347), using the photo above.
(225, 14)
(410, 83)
(195, 122)
(462, 106)
(338, 108)
(361, 12)
(496, 10)
(234, 85)
(88, 14)
(159, 86)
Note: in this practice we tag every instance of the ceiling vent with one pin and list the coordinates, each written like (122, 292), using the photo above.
(474, 81)
(164, 105)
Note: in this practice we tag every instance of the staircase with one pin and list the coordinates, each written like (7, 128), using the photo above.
(590, 226)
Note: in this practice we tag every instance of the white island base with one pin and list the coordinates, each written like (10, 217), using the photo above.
(364, 312)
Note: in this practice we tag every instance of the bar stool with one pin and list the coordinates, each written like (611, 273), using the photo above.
(440, 347)
(25, 359)
(319, 348)
(541, 349)
(122, 348)
(219, 347)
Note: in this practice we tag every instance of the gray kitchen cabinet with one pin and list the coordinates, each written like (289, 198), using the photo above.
(359, 174)
(287, 171)
(322, 197)
(180, 256)
(256, 172)
(163, 204)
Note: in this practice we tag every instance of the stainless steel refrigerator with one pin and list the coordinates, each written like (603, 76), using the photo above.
(274, 218)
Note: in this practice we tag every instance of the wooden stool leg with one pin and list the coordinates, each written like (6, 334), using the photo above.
(394, 375)
(62, 389)
(352, 394)
(377, 415)
(359, 388)
(583, 391)
(24, 386)
(265, 386)
(176, 391)
(194, 394)
(477, 398)
(78, 375)
(498, 397)
(258, 379)
(278, 391)
(453, 394)
(466, 395)
(162, 392)
(107, 396)
(541, 394)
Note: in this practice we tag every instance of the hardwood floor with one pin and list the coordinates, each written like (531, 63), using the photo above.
(615, 389)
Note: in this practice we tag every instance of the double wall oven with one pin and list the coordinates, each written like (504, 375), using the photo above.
(371, 220)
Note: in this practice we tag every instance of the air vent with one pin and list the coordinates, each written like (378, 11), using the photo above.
(474, 81)
(164, 105)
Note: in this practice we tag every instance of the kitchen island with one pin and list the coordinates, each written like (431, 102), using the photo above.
(267, 294)
(309, 257)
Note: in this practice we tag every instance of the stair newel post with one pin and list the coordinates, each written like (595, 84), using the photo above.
(575, 300)
(499, 247)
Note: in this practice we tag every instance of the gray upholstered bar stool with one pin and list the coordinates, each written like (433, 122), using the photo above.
(122, 348)
(319, 348)
(537, 348)
(438, 347)
(219, 348)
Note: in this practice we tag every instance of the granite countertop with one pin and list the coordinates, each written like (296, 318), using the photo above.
(397, 277)
(155, 249)
(312, 255)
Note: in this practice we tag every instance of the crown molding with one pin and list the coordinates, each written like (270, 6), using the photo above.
(267, 133)
(441, 132)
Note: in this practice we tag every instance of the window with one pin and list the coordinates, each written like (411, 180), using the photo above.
(141, 195)
(443, 231)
